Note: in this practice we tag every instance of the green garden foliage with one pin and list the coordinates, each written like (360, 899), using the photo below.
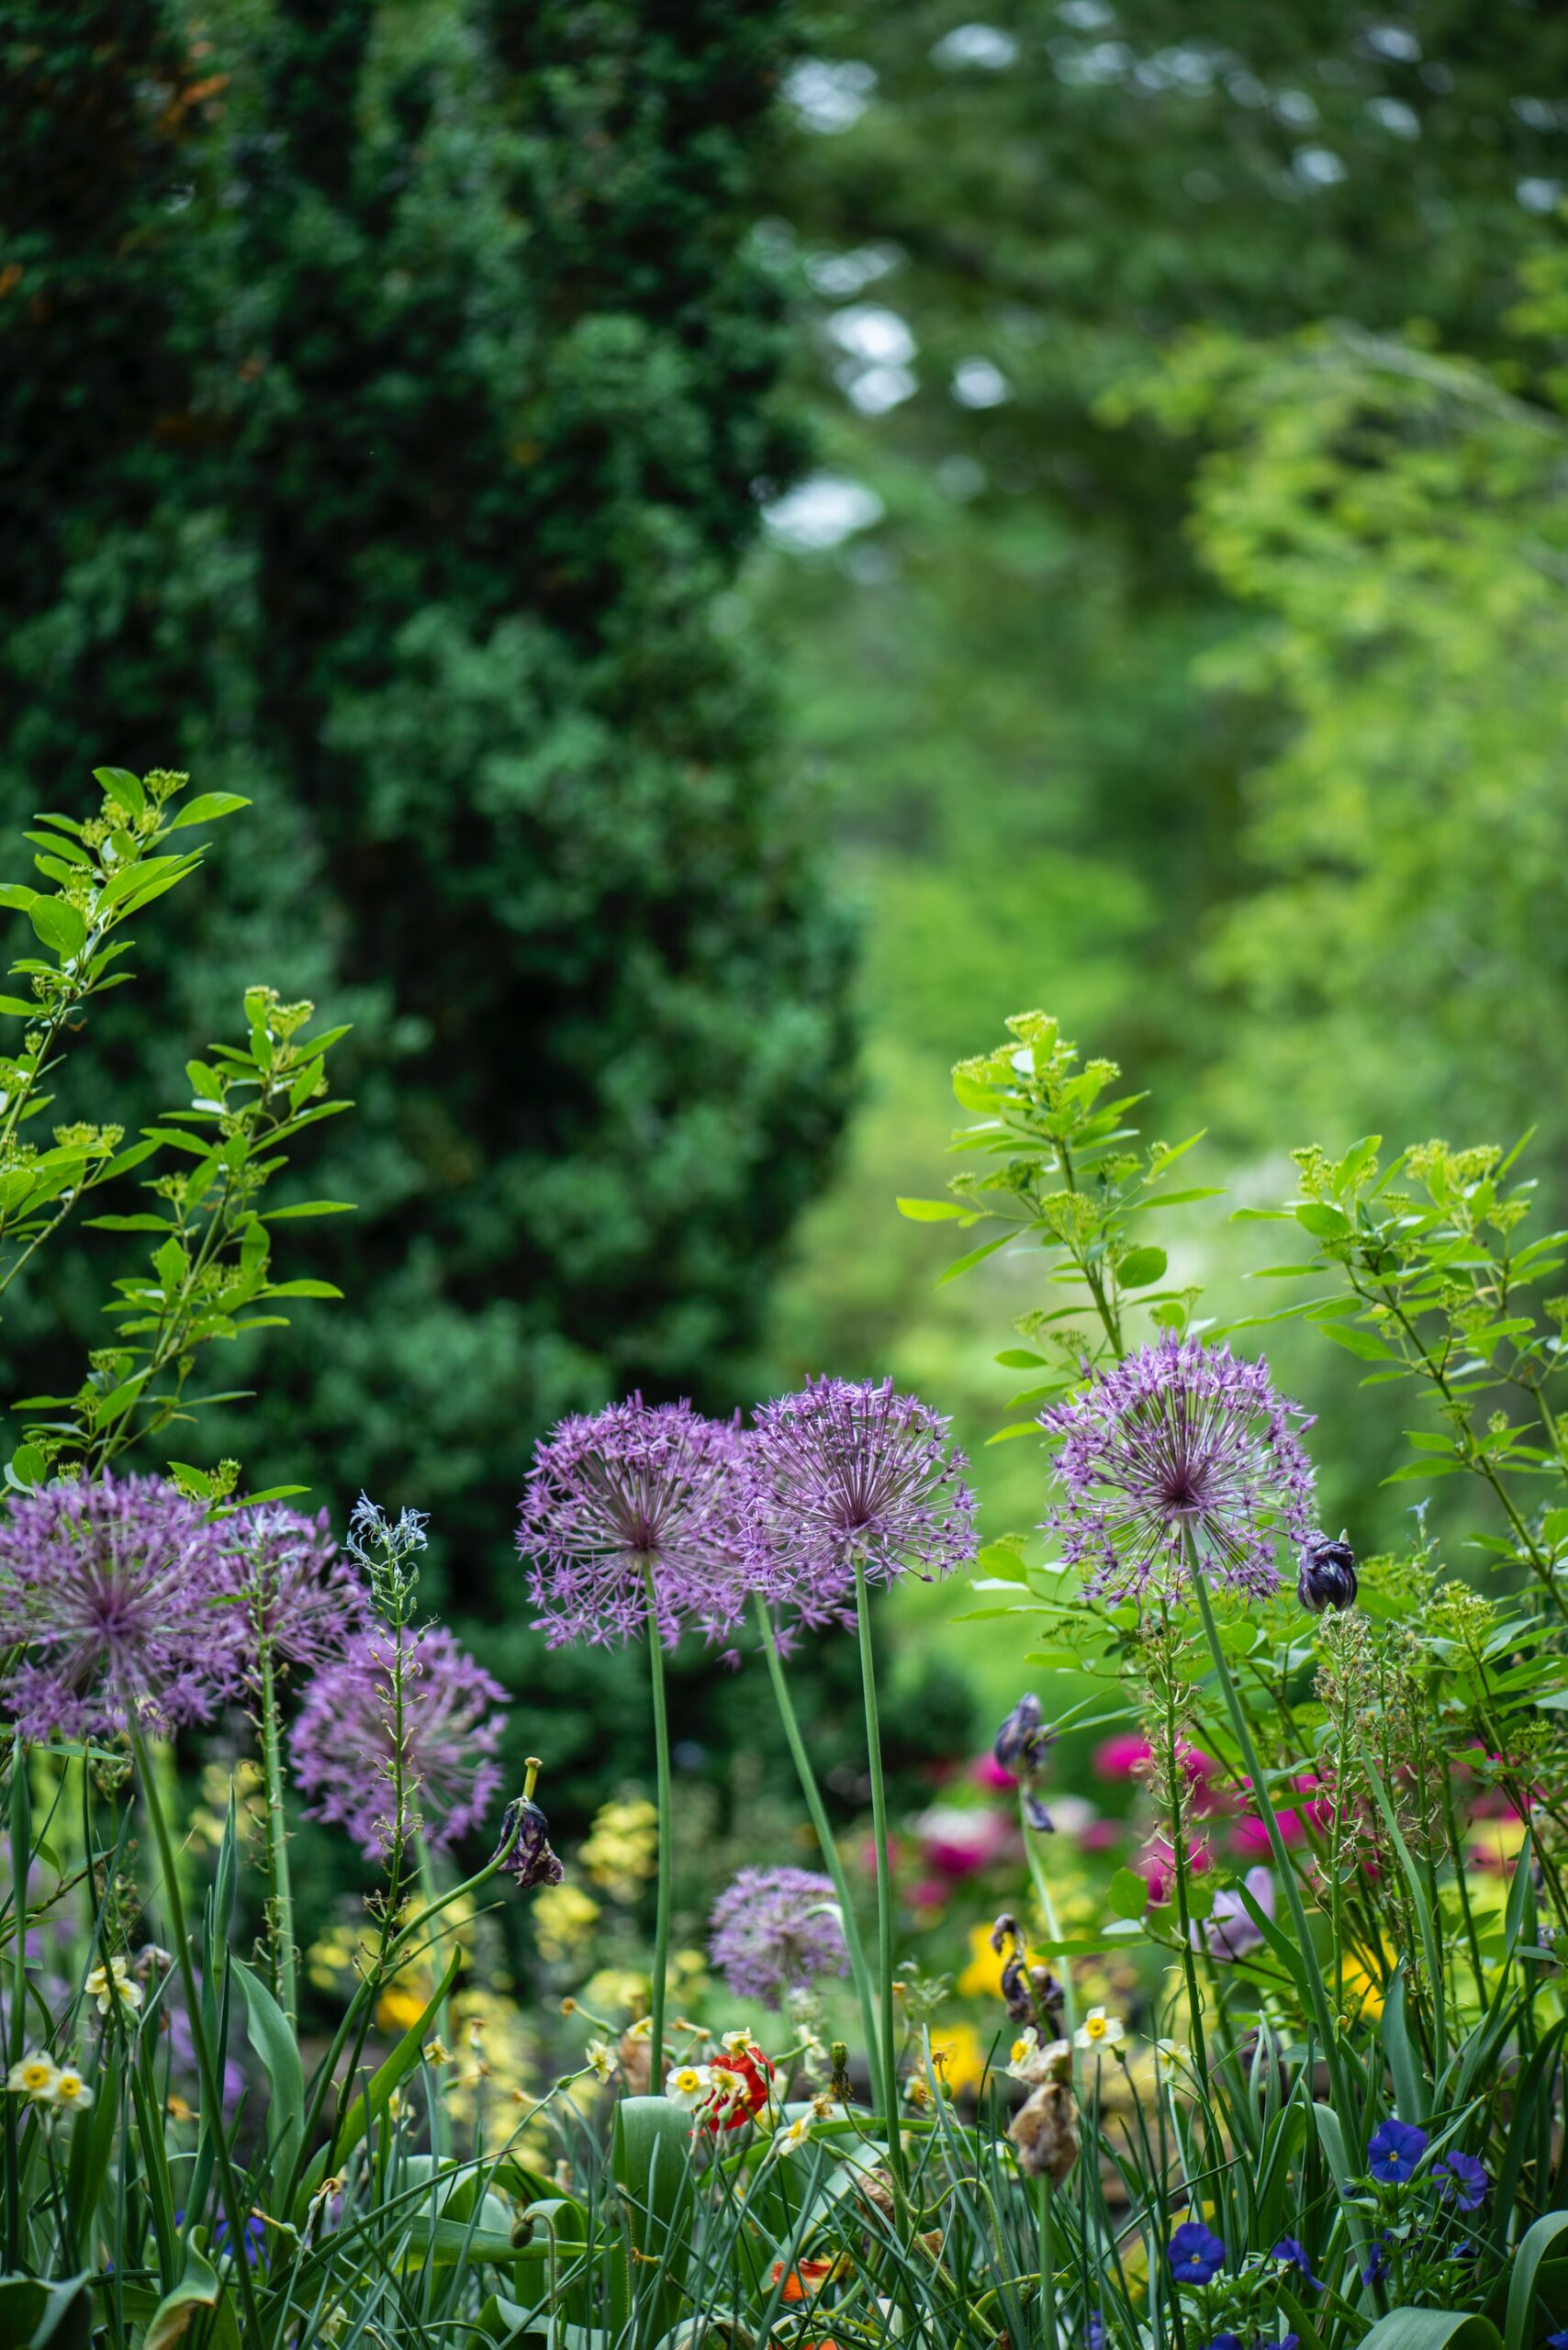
(388, 393)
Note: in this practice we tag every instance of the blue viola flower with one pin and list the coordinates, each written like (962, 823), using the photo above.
(1294, 2254)
(1558, 2340)
(1461, 2180)
(1096, 2335)
(1379, 2252)
(1225, 2341)
(1195, 2254)
(1394, 2151)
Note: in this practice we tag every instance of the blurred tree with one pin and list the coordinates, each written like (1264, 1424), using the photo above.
(388, 398)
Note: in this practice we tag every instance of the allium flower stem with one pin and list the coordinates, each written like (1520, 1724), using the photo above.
(1047, 2257)
(280, 1896)
(236, 2210)
(666, 1808)
(1316, 1999)
(430, 1895)
(859, 1968)
(1176, 1778)
(884, 1876)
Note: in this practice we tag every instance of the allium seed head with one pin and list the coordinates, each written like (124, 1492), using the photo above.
(773, 1930)
(113, 1591)
(1181, 1438)
(633, 1493)
(342, 1740)
(844, 1473)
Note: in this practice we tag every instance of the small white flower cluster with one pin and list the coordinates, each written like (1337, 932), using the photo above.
(114, 1985)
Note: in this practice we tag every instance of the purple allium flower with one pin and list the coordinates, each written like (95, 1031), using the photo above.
(1461, 2181)
(289, 1584)
(1180, 1437)
(1229, 1933)
(343, 1739)
(1394, 2150)
(773, 1929)
(848, 1472)
(113, 1590)
(635, 1491)
(1195, 2254)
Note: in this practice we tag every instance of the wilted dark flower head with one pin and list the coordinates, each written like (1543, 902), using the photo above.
(1022, 1745)
(633, 1493)
(1030, 1993)
(1180, 1438)
(1327, 1577)
(289, 1585)
(844, 1473)
(342, 1740)
(113, 1591)
(772, 1930)
(525, 1847)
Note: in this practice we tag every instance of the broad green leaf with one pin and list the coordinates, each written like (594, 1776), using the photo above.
(121, 784)
(1431, 2330)
(198, 2291)
(932, 1211)
(206, 808)
(59, 925)
(1126, 1896)
(1141, 1267)
(1534, 2246)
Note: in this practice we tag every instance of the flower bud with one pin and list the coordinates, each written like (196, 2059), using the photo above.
(1022, 1740)
(525, 1847)
(1327, 1577)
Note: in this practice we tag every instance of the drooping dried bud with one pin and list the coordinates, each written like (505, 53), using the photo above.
(636, 2054)
(1327, 1577)
(1022, 1740)
(523, 1851)
(1045, 2131)
(838, 2057)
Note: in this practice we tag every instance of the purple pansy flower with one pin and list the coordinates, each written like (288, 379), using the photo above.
(1461, 2180)
(1181, 1438)
(1195, 2254)
(1293, 2254)
(1394, 2150)
(633, 1513)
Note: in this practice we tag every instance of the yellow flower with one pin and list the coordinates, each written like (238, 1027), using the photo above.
(622, 1851)
(35, 2078)
(437, 2052)
(398, 2008)
(958, 2055)
(111, 1983)
(981, 1979)
(1363, 1991)
(563, 1916)
(70, 2089)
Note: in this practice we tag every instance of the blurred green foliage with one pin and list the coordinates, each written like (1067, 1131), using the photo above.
(1191, 669)
(388, 395)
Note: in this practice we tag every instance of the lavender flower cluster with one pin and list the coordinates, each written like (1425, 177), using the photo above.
(644, 1515)
(776, 1931)
(127, 1609)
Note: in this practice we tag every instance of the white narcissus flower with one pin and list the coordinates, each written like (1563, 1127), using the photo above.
(35, 2078)
(601, 2064)
(70, 2089)
(1099, 2029)
(688, 2086)
(794, 2135)
(1022, 2054)
(107, 1984)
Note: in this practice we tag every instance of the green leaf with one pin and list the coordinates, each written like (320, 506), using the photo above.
(123, 786)
(650, 2163)
(1126, 1896)
(198, 2290)
(1141, 1267)
(932, 1211)
(16, 897)
(975, 1257)
(1363, 1343)
(1534, 2245)
(59, 925)
(1323, 1221)
(310, 1207)
(272, 2037)
(206, 808)
(301, 1288)
(369, 2099)
(1431, 2330)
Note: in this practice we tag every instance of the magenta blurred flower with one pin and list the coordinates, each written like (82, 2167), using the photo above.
(112, 1592)
(1122, 1756)
(1157, 1866)
(956, 1843)
(987, 1771)
(635, 1494)
(1249, 1834)
(1180, 1439)
(842, 1473)
(342, 1740)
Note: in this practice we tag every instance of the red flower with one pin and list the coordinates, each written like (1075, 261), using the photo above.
(741, 2077)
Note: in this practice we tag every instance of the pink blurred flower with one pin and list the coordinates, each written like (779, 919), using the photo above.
(1100, 1835)
(955, 1843)
(987, 1771)
(1119, 1757)
(1157, 1866)
(1250, 1837)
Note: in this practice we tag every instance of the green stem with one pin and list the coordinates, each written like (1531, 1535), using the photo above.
(1048, 2263)
(280, 1908)
(430, 1893)
(661, 1752)
(211, 2093)
(884, 1879)
(834, 1866)
(1281, 1860)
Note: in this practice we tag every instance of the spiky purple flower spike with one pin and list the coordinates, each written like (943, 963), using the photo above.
(113, 1591)
(848, 1472)
(636, 1493)
(343, 1739)
(1180, 1438)
(289, 1585)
